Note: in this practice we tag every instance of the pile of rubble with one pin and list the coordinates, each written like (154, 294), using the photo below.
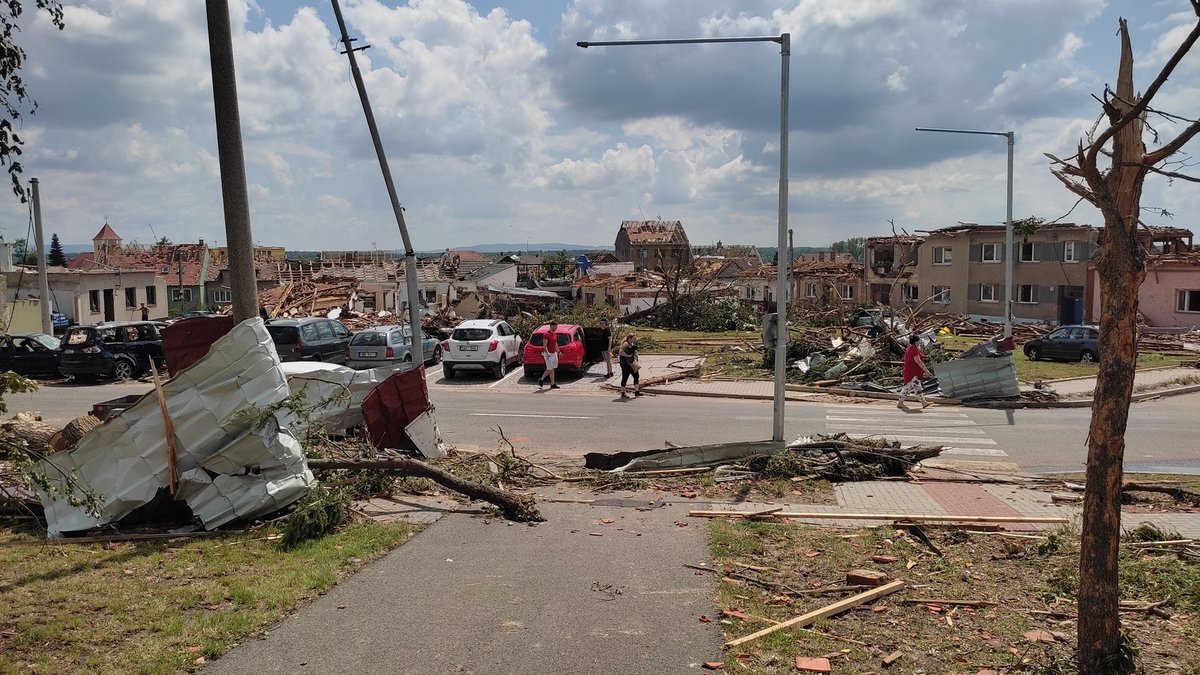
(309, 297)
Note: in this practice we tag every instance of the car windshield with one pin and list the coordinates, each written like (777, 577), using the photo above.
(50, 342)
(369, 339)
(469, 334)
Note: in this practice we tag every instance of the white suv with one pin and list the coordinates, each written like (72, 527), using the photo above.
(485, 344)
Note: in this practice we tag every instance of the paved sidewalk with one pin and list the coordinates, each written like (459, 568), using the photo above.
(1074, 392)
(473, 594)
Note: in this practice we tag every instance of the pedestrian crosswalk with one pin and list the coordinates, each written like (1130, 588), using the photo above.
(954, 430)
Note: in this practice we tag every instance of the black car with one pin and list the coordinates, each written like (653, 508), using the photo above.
(1069, 343)
(120, 349)
(310, 339)
(30, 354)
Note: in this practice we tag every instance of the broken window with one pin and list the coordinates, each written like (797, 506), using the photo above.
(131, 297)
(990, 253)
(810, 290)
(987, 292)
(1027, 293)
(1189, 301)
(910, 293)
(94, 301)
(943, 255)
(1070, 252)
(1028, 252)
(847, 291)
(151, 296)
(941, 294)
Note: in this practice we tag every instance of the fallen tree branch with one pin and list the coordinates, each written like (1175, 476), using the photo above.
(1178, 494)
(823, 613)
(517, 507)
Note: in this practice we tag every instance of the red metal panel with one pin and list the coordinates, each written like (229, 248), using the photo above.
(389, 407)
(186, 342)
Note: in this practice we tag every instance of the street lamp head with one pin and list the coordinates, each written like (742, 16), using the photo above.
(582, 45)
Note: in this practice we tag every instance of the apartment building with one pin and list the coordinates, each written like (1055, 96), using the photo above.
(961, 271)
(891, 270)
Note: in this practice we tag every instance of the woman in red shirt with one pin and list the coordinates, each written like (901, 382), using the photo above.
(914, 370)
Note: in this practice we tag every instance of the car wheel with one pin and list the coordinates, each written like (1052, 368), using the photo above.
(1087, 356)
(1033, 353)
(122, 370)
(437, 354)
(448, 371)
(408, 357)
(501, 368)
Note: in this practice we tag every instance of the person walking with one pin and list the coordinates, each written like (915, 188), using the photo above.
(914, 371)
(628, 358)
(550, 351)
(604, 334)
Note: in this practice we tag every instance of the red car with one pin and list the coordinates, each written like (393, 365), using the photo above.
(572, 354)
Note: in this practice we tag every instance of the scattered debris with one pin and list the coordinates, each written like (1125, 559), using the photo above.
(823, 613)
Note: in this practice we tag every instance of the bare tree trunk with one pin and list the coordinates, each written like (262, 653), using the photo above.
(1121, 268)
(514, 506)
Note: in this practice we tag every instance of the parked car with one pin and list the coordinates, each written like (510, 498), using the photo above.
(59, 322)
(119, 349)
(481, 344)
(310, 339)
(388, 346)
(572, 350)
(1071, 343)
(29, 354)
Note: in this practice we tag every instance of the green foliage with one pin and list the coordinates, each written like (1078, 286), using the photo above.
(13, 96)
(855, 246)
(1026, 227)
(558, 265)
(699, 312)
(56, 257)
(583, 316)
(319, 513)
(11, 382)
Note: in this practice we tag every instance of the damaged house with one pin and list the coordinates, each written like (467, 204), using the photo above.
(653, 244)
(890, 271)
(824, 280)
(1170, 294)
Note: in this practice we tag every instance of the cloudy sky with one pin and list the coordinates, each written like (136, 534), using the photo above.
(499, 129)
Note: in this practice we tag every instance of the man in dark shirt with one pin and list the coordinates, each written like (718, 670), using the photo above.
(605, 337)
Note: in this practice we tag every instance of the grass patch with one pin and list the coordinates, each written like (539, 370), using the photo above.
(766, 568)
(1029, 371)
(157, 607)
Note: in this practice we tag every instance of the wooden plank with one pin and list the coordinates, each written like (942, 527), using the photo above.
(822, 613)
(930, 518)
(168, 430)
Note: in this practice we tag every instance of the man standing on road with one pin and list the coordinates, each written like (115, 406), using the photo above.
(145, 312)
(914, 371)
(550, 349)
(605, 336)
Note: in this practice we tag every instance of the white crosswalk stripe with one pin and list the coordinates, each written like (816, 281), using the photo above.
(960, 435)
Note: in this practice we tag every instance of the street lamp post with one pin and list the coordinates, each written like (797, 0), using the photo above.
(785, 43)
(1008, 222)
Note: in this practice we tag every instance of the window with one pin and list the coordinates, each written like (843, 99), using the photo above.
(431, 295)
(943, 255)
(1189, 301)
(131, 297)
(987, 293)
(847, 291)
(182, 295)
(810, 290)
(910, 293)
(94, 301)
(222, 296)
(941, 294)
(325, 330)
(151, 296)
(1070, 251)
(1027, 293)
(990, 252)
(1028, 252)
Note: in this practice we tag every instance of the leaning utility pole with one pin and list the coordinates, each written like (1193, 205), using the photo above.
(43, 280)
(410, 257)
(242, 284)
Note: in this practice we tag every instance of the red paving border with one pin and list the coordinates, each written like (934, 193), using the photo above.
(964, 499)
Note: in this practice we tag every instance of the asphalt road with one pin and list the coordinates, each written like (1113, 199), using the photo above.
(582, 417)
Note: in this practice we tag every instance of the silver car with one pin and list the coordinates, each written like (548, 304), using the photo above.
(387, 346)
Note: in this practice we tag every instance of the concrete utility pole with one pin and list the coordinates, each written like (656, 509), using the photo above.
(410, 256)
(43, 280)
(242, 284)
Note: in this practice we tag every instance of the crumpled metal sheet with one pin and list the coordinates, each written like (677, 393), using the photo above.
(965, 379)
(339, 391)
(227, 469)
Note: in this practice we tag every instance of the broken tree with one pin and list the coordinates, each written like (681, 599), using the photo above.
(1116, 190)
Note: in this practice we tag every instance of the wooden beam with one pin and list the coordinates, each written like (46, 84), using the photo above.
(929, 518)
(823, 613)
